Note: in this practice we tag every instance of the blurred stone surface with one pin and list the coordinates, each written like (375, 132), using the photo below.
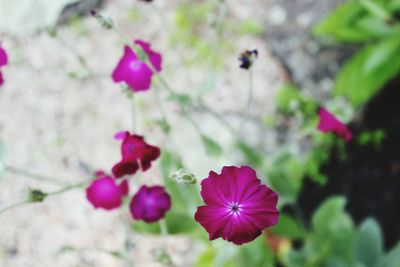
(78, 9)
(310, 64)
(59, 108)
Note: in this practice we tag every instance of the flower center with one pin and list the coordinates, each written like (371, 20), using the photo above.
(135, 65)
(234, 208)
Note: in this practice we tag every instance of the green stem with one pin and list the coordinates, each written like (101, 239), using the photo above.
(17, 204)
(32, 175)
(29, 201)
(133, 111)
(163, 228)
(67, 188)
(249, 100)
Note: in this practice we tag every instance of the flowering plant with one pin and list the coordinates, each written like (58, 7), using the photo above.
(187, 167)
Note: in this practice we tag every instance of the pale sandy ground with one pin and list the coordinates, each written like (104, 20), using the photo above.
(51, 122)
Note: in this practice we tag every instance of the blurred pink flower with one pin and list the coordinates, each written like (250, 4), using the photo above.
(329, 123)
(238, 207)
(134, 71)
(154, 57)
(105, 193)
(3, 62)
(135, 153)
(150, 204)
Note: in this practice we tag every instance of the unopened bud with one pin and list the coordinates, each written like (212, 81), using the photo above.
(36, 195)
(182, 176)
(247, 58)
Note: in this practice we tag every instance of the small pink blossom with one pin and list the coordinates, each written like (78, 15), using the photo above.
(104, 192)
(150, 204)
(135, 72)
(237, 206)
(329, 123)
(154, 57)
(136, 153)
(3, 62)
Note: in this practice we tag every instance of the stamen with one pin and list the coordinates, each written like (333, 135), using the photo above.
(234, 208)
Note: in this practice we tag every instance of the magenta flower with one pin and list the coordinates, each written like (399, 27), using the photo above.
(329, 123)
(135, 153)
(105, 193)
(154, 57)
(135, 72)
(238, 207)
(150, 204)
(3, 62)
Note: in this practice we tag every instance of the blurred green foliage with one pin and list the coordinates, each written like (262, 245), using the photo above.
(375, 25)
(374, 138)
(192, 24)
(334, 241)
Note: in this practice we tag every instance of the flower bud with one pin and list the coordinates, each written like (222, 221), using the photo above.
(247, 58)
(182, 176)
(36, 195)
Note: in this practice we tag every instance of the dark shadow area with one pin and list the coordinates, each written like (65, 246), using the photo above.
(370, 176)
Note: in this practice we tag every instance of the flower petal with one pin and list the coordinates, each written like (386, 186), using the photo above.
(329, 123)
(132, 71)
(3, 57)
(125, 168)
(154, 57)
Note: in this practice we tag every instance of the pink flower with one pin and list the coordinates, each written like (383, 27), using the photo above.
(329, 123)
(105, 193)
(238, 207)
(154, 57)
(150, 204)
(135, 153)
(3, 57)
(133, 71)
(3, 62)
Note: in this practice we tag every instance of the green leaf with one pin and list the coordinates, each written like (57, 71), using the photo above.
(216, 257)
(341, 24)
(256, 253)
(375, 9)
(117, 254)
(368, 70)
(169, 162)
(286, 175)
(375, 27)
(177, 223)
(392, 259)
(251, 27)
(369, 242)
(288, 227)
(394, 5)
(184, 198)
(333, 229)
(381, 54)
(164, 125)
(288, 98)
(207, 258)
(253, 157)
(212, 148)
(182, 99)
